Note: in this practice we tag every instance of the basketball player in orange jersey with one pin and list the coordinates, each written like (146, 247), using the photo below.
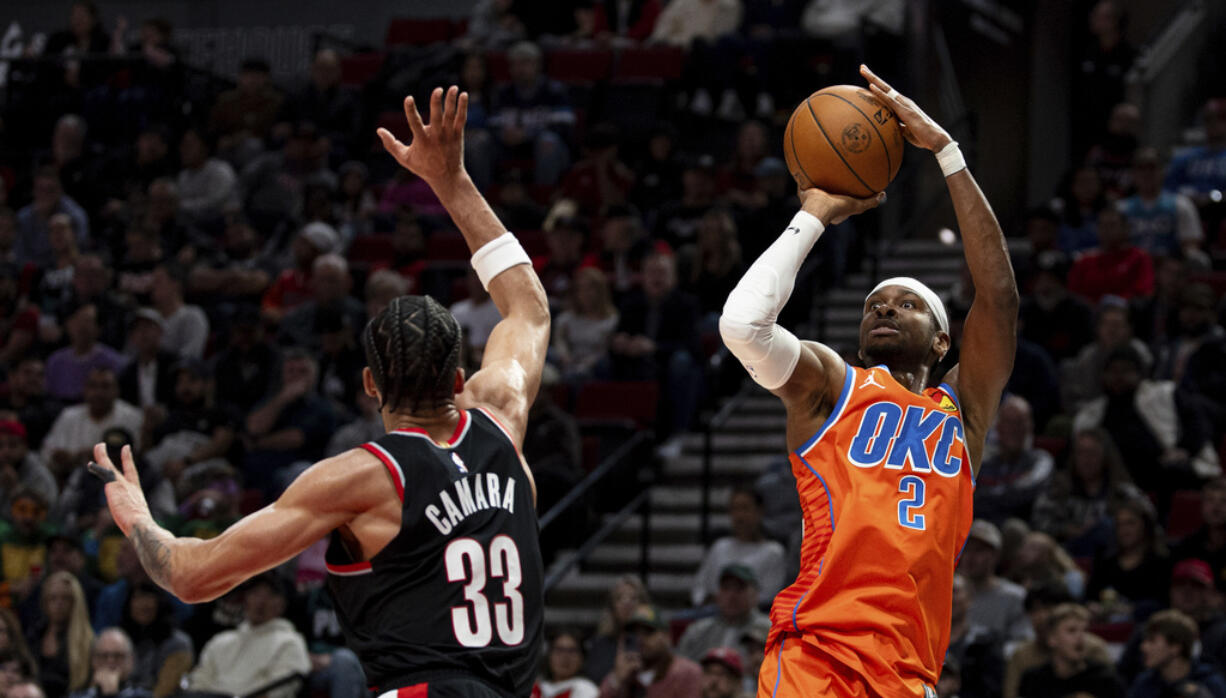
(433, 561)
(884, 459)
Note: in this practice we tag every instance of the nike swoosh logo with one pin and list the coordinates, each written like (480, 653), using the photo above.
(794, 229)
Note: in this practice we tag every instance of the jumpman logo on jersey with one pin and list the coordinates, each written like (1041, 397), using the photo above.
(871, 380)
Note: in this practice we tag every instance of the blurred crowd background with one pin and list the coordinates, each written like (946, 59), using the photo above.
(188, 252)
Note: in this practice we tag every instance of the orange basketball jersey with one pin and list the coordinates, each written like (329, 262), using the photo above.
(886, 488)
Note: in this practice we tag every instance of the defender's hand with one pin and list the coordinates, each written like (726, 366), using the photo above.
(832, 209)
(123, 492)
(437, 149)
(917, 127)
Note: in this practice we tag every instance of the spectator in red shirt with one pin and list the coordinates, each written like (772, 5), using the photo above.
(293, 286)
(1116, 267)
(600, 178)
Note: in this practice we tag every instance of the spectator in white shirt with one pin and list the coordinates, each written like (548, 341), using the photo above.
(187, 327)
(70, 443)
(746, 546)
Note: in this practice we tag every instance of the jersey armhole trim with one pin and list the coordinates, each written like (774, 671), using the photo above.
(392, 466)
(349, 570)
(848, 382)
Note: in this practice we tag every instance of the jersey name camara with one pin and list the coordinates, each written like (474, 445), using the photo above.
(485, 491)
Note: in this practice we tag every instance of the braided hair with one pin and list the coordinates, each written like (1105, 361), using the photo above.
(413, 350)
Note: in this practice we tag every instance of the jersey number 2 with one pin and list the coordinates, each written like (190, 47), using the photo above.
(913, 486)
(473, 623)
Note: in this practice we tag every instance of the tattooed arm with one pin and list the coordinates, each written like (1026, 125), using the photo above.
(350, 489)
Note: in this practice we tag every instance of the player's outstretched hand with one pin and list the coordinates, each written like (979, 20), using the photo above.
(832, 209)
(123, 492)
(917, 127)
(436, 150)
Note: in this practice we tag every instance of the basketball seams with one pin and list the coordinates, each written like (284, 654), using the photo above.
(889, 166)
(835, 149)
(796, 156)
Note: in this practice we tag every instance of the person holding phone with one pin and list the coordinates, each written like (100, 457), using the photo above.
(646, 666)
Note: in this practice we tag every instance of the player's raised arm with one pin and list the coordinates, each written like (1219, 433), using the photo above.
(798, 373)
(514, 355)
(989, 336)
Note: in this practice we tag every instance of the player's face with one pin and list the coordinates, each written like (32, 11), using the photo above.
(897, 327)
(718, 681)
(1158, 651)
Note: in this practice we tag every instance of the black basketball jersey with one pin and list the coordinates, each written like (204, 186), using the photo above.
(458, 591)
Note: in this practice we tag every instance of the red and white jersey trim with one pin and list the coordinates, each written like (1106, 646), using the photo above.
(349, 570)
(461, 429)
(391, 464)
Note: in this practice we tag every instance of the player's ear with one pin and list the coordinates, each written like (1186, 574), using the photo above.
(368, 384)
(941, 342)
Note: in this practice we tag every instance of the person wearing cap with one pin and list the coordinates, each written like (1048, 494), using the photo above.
(265, 647)
(885, 456)
(147, 379)
(1172, 666)
(1208, 542)
(646, 665)
(293, 286)
(21, 467)
(722, 671)
(187, 327)
(736, 603)
(996, 603)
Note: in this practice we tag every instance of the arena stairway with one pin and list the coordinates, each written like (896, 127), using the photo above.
(749, 441)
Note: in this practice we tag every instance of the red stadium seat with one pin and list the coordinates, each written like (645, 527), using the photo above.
(371, 249)
(1115, 633)
(1185, 514)
(649, 64)
(359, 68)
(579, 66)
(613, 400)
(418, 31)
(1054, 445)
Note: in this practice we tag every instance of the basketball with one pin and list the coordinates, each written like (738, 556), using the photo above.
(843, 140)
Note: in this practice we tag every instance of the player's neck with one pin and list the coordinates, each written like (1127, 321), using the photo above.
(913, 379)
(438, 423)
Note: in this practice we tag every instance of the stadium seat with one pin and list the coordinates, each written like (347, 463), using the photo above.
(649, 64)
(613, 400)
(418, 31)
(359, 68)
(1185, 514)
(579, 66)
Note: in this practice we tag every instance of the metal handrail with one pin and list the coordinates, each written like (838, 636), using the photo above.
(716, 421)
(598, 473)
(641, 501)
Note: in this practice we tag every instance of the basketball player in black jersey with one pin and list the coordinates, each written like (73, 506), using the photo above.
(434, 562)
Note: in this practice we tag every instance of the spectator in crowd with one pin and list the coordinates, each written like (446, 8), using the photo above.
(532, 117)
(1162, 433)
(978, 652)
(1135, 573)
(194, 430)
(142, 253)
(330, 286)
(356, 202)
(768, 206)
(677, 221)
(684, 21)
(161, 653)
(736, 603)
(27, 399)
(207, 185)
(599, 179)
(134, 170)
(1078, 205)
(627, 595)
(13, 647)
(477, 314)
(722, 671)
(1112, 156)
(246, 366)
(187, 327)
(1098, 83)
(656, 339)
(1196, 327)
(617, 22)
(292, 425)
(1201, 170)
(565, 241)
(53, 292)
(753, 652)
(582, 333)
(334, 667)
(23, 545)
(1192, 593)
(92, 283)
(111, 663)
(381, 287)
(996, 603)
(71, 440)
(22, 687)
(21, 468)
(293, 286)
(164, 217)
(1115, 267)
(1171, 667)
(236, 271)
(1040, 559)
(147, 380)
(493, 24)
(1070, 669)
(712, 266)
(1035, 652)
(1050, 316)
(249, 111)
(341, 360)
(1208, 543)
(19, 319)
(553, 446)
(264, 648)
(64, 553)
(563, 661)
(367, 426)
(277, 183)
(33, 243)
(1082, 379)
(647, 666)
(1015, 472)
(84, 34)
(326, 103)
(624, 246)
(63, 636)
(1162, 222)
(746, 546)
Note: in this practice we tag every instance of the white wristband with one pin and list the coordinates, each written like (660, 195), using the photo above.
(950, 159)
(806, 224)
(496, 256)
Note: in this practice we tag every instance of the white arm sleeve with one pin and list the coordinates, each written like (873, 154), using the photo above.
(747, 326)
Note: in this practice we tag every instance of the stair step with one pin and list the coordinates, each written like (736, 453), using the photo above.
(591, 589)
(922, 264)
(671, 498)
(756, 442)
(667, 527)
(686, 556)
(722, 465)
(758, 421)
